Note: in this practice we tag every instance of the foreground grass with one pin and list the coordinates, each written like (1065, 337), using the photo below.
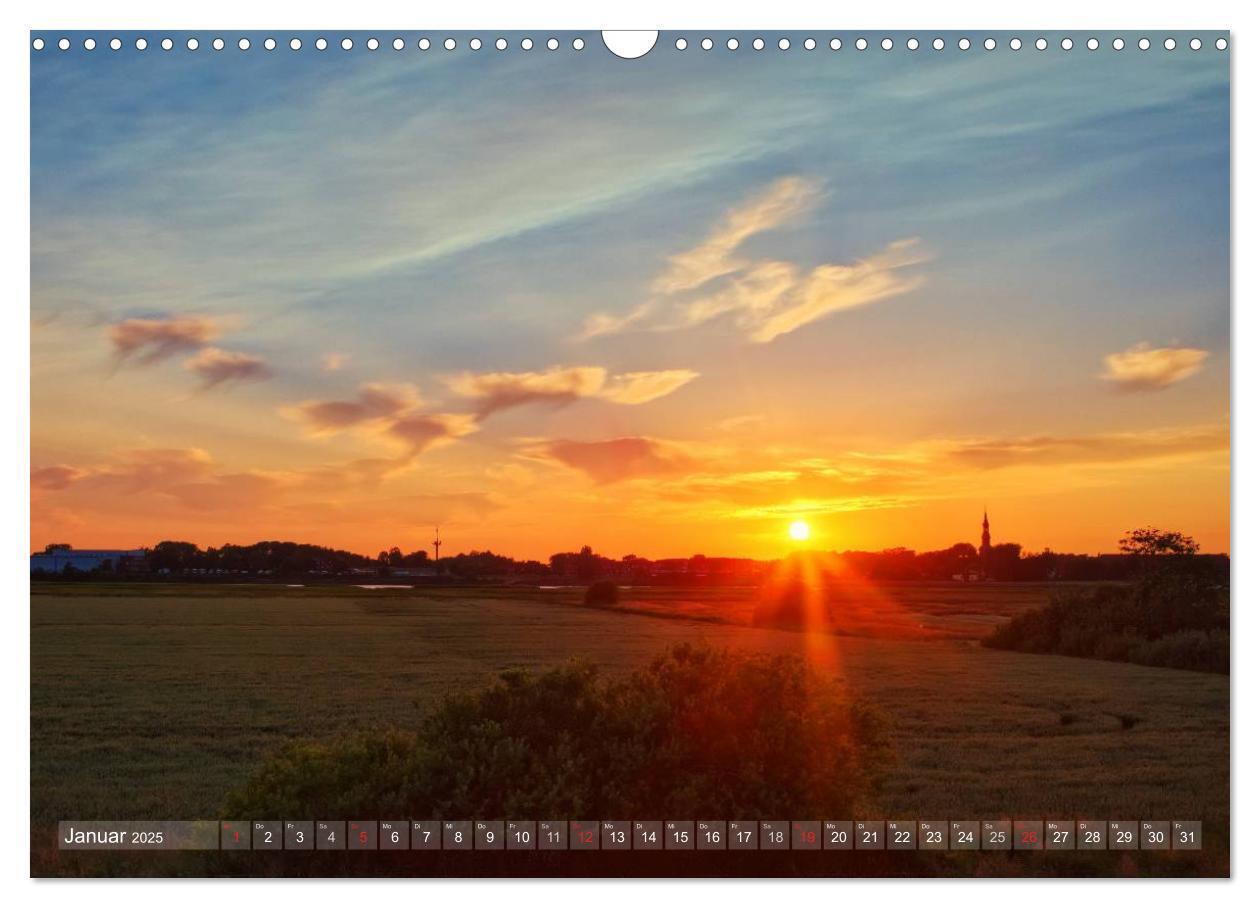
(149, 706)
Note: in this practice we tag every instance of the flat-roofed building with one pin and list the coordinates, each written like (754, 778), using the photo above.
(56, 558)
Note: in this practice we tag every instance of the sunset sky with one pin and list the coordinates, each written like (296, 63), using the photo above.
(666, 306)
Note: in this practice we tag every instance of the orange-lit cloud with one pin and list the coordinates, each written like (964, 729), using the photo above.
(560, 385)
(215, 366)
(375, 402)
(766, 298)
(55, 477)
(384, 411)
(618, 458)
(420, 432)
(150, 340)
(642, 387)
(333, 362)
(1106, 448)
(1146, 368)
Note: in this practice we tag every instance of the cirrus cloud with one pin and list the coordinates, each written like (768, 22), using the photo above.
(1146, 368)
(766, 298)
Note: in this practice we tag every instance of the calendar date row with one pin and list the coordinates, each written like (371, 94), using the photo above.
(636, 835)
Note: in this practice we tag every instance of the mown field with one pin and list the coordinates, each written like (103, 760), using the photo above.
(154, 701)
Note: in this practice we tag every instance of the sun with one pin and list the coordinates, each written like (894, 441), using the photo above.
(799, 530)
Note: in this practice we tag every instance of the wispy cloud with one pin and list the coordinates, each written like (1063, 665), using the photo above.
(215, 366)
(561, 385)
(777, 204)
(767, 298)
(1146, 368)
(333, 362)
(150, 340)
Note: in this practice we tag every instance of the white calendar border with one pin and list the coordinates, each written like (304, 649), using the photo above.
(676, 14)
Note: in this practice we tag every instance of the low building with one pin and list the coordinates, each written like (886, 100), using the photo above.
(56, 558)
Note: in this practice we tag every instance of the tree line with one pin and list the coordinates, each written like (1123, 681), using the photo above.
(961, 561)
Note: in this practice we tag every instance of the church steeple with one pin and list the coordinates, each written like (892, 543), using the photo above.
(984, 534)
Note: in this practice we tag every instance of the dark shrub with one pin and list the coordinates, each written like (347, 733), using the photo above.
(602, 592)
(1170, 618)
(699, 732)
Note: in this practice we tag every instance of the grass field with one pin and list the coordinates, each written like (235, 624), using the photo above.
(154, 701)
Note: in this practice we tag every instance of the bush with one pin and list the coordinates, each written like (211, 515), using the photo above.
(698, 732)
(1174, 619)
(602, 592)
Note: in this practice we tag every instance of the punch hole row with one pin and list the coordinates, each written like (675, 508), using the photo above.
(939, 43)
(577, 44)
(319, 44)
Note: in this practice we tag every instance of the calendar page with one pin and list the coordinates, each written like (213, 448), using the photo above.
(661, 454)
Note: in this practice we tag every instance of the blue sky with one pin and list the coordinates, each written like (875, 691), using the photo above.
(424, 215)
